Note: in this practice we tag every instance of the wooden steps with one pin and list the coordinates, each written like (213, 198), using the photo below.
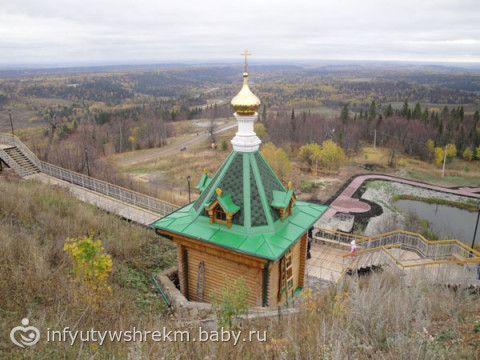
(24, 166)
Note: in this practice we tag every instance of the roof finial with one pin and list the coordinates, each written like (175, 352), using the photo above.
(245, 54)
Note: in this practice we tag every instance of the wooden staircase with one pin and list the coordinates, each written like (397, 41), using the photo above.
(23, 166)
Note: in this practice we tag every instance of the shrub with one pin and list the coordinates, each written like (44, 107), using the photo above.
(91, 266)
(278, 160)
(230, 302)
(468, 154)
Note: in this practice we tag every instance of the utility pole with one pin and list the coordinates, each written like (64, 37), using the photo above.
(11, 120)
(86, 161)
(444, 160)
(476, 226)
(189, 178)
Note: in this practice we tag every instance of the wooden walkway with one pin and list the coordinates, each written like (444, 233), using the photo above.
(328, 262)
(114, 206)
(345, 203)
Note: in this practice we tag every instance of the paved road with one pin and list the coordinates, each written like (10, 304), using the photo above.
(137, 157)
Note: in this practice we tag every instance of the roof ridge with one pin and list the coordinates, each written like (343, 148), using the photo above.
(261, 192)
(217, 178)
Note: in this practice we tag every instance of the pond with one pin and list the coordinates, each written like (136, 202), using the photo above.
(446, 221)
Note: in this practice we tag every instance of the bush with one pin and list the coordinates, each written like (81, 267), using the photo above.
(278, 160)
(91, 266)
(308, 186)
(468, 154)
(329, 155)
(230, 302)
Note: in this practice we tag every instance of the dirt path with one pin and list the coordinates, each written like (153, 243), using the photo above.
(136, 157)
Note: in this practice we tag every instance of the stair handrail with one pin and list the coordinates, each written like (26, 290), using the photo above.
(118, 192)
(13, 140)
(409, 240)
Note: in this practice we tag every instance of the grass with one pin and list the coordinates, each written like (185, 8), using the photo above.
(458, 172)
(35, 279)
(433, 176)
(469, 205)
(371, 155)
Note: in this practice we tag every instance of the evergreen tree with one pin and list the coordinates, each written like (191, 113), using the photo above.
(372, 111)
(445, 114)
(405, 109)
(344, 115)
(425, 115)
(417, 111)
(388, 111)
(476, 118)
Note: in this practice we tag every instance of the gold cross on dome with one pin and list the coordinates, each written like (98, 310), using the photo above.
(245, 54)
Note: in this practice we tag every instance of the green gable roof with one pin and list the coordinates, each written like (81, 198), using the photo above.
(203, 182)
(227, 204)
(248, 187)
(281, 199)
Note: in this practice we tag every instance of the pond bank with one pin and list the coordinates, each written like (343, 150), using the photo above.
(386, 193)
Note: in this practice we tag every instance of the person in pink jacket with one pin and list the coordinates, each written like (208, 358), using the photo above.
(353, 247)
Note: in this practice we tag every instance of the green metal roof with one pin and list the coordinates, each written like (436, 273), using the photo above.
(281, 199)
(227, 204)
(249, 184)
(203, 182)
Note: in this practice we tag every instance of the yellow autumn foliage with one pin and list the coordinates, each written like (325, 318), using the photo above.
(91, 265)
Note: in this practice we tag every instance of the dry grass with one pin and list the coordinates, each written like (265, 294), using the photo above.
(35, 277)
(458, 172)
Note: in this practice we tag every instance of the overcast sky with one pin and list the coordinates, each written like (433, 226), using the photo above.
(143, 31)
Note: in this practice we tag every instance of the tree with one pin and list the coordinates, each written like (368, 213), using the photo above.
(451, 151)
(212, 126)
(372, 111)
(477, 152)
(331, 155)
(345, 114)
(307, 153)
(224, 145)
(430, 145)
(405, 109)
(278, 160)
(438, 156)
(230, 302)
(417, 111)
(133, 138)
(260, 130)
(388, 111)
(468, 154)
(91, 266)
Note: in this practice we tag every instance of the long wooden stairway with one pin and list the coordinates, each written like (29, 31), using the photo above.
(19, 161)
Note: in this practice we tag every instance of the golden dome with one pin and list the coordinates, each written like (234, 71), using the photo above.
(245, 102)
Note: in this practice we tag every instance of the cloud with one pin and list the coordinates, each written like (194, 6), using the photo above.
(141, 31)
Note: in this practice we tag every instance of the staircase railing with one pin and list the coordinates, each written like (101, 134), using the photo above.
(117, 192)
(12, 163)
(9, 139)
(431, 249)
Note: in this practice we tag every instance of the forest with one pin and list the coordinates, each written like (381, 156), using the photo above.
(76, 117)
